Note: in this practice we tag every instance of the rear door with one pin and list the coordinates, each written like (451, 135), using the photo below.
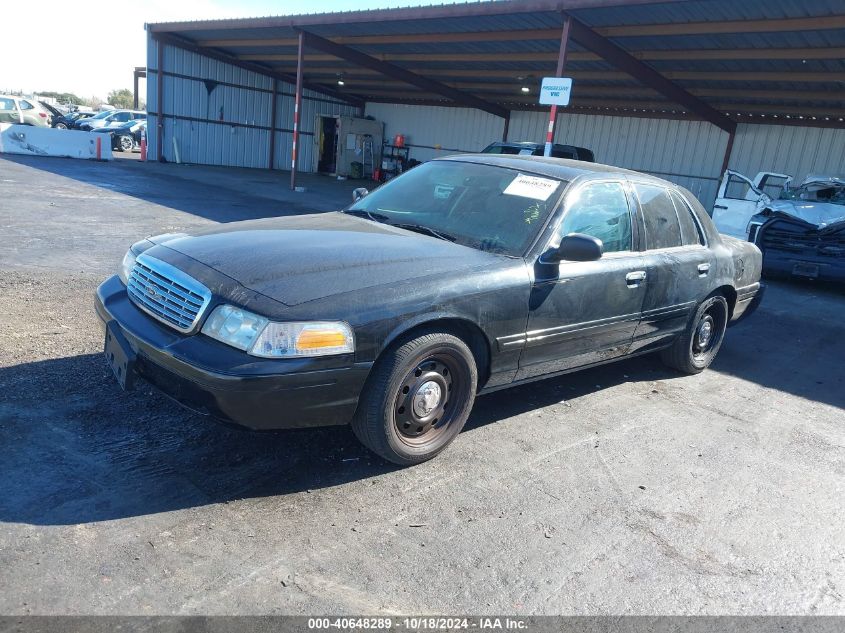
(678, 264)
(9, 111)
(582, 313)
(738, 201)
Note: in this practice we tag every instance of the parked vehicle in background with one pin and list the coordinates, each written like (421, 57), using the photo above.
(55, 113)
(125, 137)
(800, 230)
(109, 118)
(462, 276)
(802, 233)
(23, 111)
(61, 120)
(527, 148)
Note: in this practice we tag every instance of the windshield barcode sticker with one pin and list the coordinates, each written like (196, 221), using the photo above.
(531, 187)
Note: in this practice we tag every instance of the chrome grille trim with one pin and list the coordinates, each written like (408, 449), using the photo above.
(167, 294)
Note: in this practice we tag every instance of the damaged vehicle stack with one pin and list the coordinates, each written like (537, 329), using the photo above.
(800, 230)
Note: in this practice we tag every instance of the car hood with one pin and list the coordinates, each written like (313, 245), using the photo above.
(820, 214)
(302, 258)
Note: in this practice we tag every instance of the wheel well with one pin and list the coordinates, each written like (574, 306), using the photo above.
(729, 293)
(468, 332)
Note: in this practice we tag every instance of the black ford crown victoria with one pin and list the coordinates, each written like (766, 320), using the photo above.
(463, 276)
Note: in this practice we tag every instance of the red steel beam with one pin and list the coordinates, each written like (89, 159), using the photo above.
(626, 62)
(401, 74)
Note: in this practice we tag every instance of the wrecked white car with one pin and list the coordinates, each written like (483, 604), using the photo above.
(801, 230)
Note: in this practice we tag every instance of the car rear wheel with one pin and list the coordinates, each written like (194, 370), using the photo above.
(417, 398)
(126, 143)
(696, 348)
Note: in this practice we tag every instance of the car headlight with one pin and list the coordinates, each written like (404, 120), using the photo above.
(259, 336)
(126, 266)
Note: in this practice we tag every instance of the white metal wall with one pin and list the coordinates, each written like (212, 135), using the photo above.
(689, 153)
(434, 131)
(788, 149)
(243, 100)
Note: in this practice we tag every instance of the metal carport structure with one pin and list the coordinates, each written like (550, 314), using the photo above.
(719, 61)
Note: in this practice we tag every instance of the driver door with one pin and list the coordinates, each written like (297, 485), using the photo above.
(739, 200)
(582, 313)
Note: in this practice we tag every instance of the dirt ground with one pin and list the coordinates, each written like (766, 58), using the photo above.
(624, 489)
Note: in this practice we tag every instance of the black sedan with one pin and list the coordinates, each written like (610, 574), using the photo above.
(125, 137)
(463, 276)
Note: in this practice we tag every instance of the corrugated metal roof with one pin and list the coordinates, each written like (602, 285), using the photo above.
(501, 61)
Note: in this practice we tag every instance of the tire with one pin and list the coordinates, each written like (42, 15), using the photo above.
(696, 348)
(417, 398)
(126, 143)
(61, 126)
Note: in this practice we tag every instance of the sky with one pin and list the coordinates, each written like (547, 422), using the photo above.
(92, 50)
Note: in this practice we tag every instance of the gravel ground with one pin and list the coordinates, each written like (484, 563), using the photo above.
(625, 489)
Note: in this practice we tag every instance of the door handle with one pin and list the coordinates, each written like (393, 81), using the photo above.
(703, 269)
(720, 206)
(634, 279)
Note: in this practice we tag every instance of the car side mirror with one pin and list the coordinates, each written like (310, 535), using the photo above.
(577, 247)
(359, 193)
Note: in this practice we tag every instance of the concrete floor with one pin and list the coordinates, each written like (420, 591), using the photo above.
(625, 489)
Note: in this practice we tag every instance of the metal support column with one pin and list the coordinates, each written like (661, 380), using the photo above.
(506, 128)
(728, 151)
(272, 158)
(160, 99)
(296, 110)
(561, 64)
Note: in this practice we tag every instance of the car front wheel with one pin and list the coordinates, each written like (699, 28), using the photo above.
(696, 348)
(61, 126)
(417, 398)
(126, 143)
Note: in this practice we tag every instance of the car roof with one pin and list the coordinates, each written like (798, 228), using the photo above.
(531, 144)
(562, 168)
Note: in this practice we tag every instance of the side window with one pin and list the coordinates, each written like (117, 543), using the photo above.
(738, 188)
(662, 229)
(772, 185)
(25, 105)
(690, 232)
(7, 104)
(121, 117)
(600, 210)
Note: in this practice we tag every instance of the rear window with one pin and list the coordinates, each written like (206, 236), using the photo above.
(662, 228)
(690, 231)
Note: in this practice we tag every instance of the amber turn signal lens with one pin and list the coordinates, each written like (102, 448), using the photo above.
(316, 339)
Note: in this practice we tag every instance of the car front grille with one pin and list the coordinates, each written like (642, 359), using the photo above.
(167, 294)
(787, 236)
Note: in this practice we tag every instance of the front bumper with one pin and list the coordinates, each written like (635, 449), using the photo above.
(214, 379)
(803, 266)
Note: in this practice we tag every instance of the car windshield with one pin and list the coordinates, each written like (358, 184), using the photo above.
(486, 207)
(829, 192)
(103, 114)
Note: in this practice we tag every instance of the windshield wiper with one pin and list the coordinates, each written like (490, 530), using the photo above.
(375, 217)
(419, 228)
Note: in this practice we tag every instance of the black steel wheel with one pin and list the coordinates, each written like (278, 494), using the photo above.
(417, 398)
(696, 348)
